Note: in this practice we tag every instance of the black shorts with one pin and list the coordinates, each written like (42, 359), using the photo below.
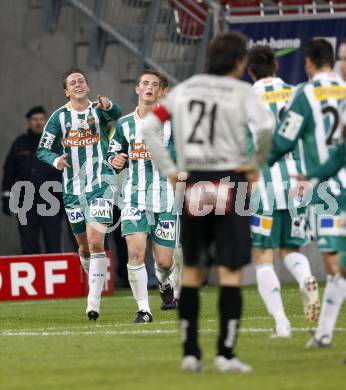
(221, 230)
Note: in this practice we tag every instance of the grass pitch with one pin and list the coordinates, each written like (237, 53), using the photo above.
(50, 345)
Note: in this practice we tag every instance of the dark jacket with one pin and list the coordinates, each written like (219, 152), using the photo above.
(22, 163)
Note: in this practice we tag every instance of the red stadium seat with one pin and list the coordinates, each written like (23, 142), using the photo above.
(234, 4)
(187, 25)
(300, 6)
(338, 4)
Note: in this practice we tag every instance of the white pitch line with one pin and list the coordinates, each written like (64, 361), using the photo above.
(142, 332)
(126, 324)
(115, 297)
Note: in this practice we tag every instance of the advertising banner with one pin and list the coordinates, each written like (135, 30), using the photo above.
(288, 40)
(45, 277)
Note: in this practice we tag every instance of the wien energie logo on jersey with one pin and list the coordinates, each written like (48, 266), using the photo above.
(81, 138)
(139, 152)
(281, 95)
(330, 92)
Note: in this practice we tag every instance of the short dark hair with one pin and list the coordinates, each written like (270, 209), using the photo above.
(261, 61)
(164, 80)
(71, 71)
(153, 72)
(35, 110)
(320, 52)
(225, 51)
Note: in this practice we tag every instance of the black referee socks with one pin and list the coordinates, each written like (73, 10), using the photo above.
(230, 309)
(188, 314)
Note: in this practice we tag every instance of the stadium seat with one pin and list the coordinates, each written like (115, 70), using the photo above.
(187, 25)
(255, 7)
(300, 6)
(338, 4)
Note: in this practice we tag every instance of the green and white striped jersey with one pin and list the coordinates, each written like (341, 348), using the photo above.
(276, 181)
(84, 138)
(312, 117)
(143, 187)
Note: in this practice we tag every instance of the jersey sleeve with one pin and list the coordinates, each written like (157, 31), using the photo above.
(113, 114)
(289, 131)
(261, 123)
(117, 143)
(331, 167)
(51, 132)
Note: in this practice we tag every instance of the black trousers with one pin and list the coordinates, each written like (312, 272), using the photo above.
(51, 228)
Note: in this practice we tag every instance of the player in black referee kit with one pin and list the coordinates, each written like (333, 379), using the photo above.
(211, 114)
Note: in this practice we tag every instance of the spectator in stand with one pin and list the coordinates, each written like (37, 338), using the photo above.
(22, 165)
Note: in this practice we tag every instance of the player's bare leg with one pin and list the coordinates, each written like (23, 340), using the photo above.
(164, 267)
(95, 233)
(298, 266)
(138, 277)
(83, 251)
(269, 287)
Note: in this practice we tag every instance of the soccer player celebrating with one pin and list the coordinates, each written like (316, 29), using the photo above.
(313, 118)
(147, 199)
(80, 126)
(211, 114)
(273, 226)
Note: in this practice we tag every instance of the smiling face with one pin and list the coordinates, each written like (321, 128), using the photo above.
(76, 87)
(149, 89)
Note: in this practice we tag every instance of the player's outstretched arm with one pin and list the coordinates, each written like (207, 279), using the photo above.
(331, 167)
(110, 110)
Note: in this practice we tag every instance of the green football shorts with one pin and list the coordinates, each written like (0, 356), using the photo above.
(160, 227)
(95, 206)
(279, 230)
(328, 230)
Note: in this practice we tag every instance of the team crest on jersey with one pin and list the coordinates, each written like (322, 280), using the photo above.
(165, 230)
(90, 120)
(139, 152)
(101, 208)
(75, 215)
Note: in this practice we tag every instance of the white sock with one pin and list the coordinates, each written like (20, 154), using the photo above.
(341, 283)
(163, 274)
(138, 279)
(175, 277)
(268, 286)
(97, 278)
(85, 263)
(298, 266)
(331, 304)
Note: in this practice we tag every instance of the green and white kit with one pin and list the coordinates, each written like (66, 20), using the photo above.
(272, 225)
(88, 182)
(147, 197)
(312, 122)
